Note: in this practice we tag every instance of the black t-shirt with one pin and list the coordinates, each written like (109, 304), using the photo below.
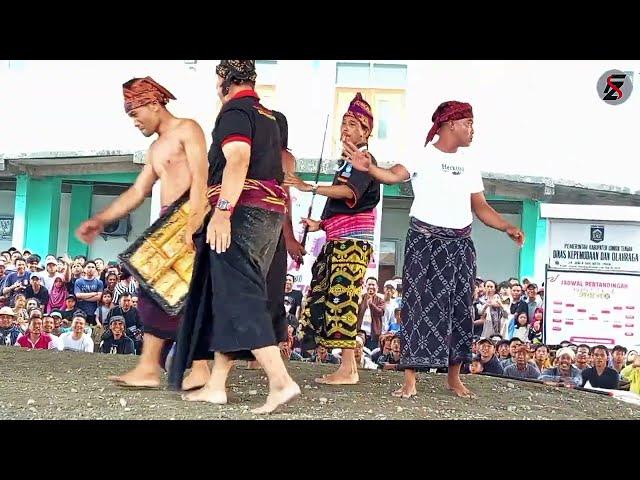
(365, 188)
(42, 295)
(244, 119)
(131, 318)
(519, 307)
(295, 298)
(609, 378)
(68, 314)
(123, 346)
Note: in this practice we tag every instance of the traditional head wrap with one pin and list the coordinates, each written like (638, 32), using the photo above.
(361, 111)
(142, 91)
(446, 112)
(236, 71)
(567, 351)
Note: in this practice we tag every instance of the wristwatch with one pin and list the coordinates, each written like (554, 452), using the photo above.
(224, 205)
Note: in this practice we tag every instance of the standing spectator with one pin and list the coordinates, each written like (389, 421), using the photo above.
(370, 313)
(292, 320)
(482, 294)
(541, 358)
(519, 327)
(76, 274)
(390, 305)
(600, 375)
(16, 282)
(632, 373)
(295, 296)
(478, 308)
(110, 283)
(88, 291)
(535, 333)
(34, 337)
(134, 301)
(104, 308)
(48, 326)
(76, 340)
(487, 357)
(37, 290)
(495, 316)
(129, 312)
(99, 267)
(22, 314)
(50, 273)
(57, 294)
(3, 275)
(125, 285)
(533, 301)
(33, 263)
(9, 333)
(518, 304)
(391, 360)
(522, 368)
(618, 358)
(81, 259)
(564, 374)
(117, 342)
(583, 357)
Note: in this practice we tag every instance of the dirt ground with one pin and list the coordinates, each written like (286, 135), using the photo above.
(63, 385)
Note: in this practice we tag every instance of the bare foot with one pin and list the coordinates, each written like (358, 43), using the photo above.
(197, 378)
(460, 390)
(339, 378)
(138, 377)
(278, 398)
(405, 392)
(207, 394)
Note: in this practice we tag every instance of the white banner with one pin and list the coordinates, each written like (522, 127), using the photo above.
(592, 308)
(315, 241)
(596, 246)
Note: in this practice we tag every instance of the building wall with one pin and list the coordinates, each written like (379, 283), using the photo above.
(110, 248)
(7, 202)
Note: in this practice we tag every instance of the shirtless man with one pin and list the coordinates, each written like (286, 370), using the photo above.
(178, 158)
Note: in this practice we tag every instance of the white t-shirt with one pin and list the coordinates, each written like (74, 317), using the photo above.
(442, 186)
(66, 342)
(366, 321)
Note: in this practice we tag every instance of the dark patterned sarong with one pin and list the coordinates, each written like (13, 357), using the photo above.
(437, 312)
(330, 315)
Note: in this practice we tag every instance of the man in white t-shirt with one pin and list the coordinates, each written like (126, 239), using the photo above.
(440, 259)
(76, 340)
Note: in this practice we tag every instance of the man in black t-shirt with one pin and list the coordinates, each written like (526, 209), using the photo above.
(330, 315)
(227, 309)
(293, 297)
(600, 375)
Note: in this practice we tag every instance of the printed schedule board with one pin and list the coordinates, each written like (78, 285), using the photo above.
(592, 308)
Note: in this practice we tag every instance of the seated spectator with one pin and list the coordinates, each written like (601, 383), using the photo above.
(618, 358)
(514, 344)
(394, 327)
(519, 327)
(583, 357)
(541, 357)
(69, 308)
(47, 327)
(487, 358)
(564, 374)
(384, 348)
(476, 367)
(76, 340)
(321, 355)
(632, 373)
(390, 361)
(521, 368)
(502, 350)
(117, 342)
(600, 375)
(362, 359)
(34, 337)
(9, 332)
